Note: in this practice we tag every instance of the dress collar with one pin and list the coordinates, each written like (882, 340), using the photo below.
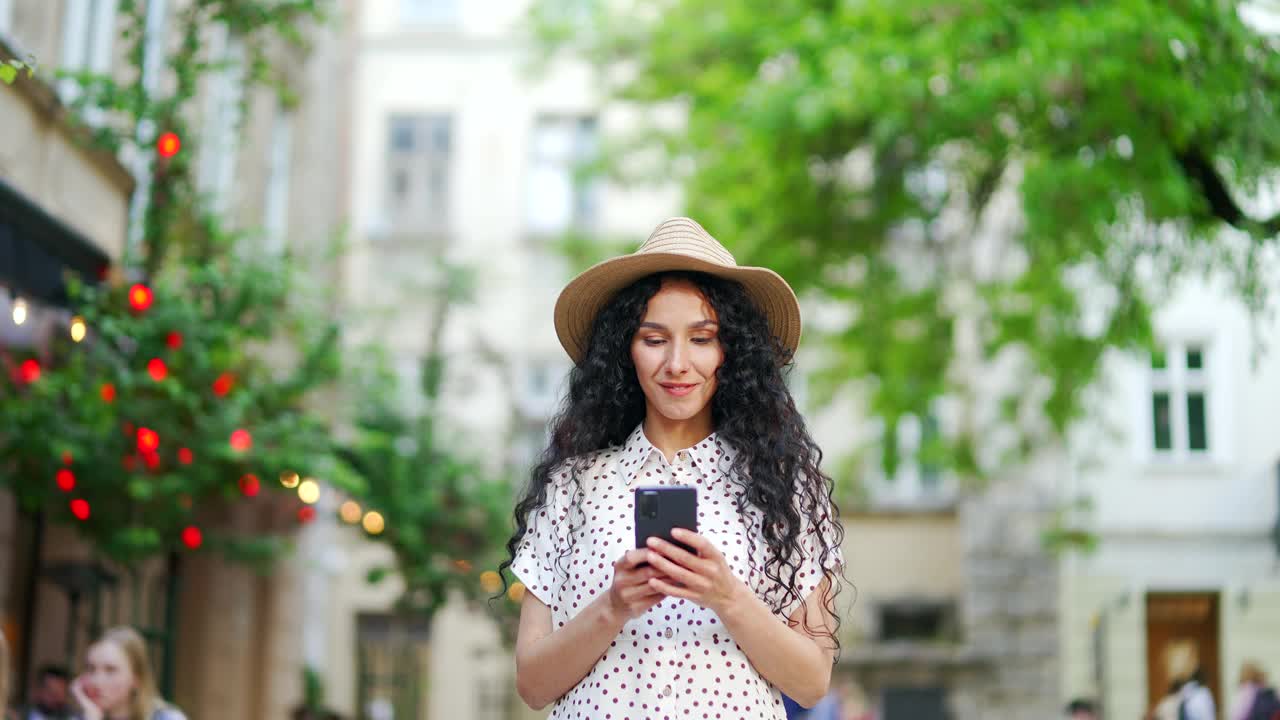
(637, 450)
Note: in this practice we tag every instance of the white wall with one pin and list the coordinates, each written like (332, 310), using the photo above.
(1233, 490)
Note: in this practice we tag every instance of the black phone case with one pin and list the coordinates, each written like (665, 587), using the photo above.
(677, 508)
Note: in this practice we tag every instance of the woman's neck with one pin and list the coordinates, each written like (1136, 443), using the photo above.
(672, 436)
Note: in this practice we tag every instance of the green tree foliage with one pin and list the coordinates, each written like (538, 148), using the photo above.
(134, 427)
(446, 516)
(128, 434)
(861, 148)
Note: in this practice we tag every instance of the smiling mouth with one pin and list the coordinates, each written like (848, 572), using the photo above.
(678, 389)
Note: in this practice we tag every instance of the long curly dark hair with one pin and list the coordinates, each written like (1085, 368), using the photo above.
(776, 462)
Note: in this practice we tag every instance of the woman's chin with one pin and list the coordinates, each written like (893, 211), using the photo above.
(679, 411)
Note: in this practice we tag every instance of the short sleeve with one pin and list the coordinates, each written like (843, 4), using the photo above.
(538, 551)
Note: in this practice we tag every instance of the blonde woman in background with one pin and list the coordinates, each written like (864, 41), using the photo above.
(4, 675)
(118, 684)
(1254, 699)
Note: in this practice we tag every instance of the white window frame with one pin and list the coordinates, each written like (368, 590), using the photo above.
(583, 144)
(907, 487)
(219, 150)
(1179, 381)
(279, 169)
(423, 164)
(88, 38)
(6, 16)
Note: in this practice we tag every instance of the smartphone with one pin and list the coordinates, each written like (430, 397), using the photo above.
(659, 510)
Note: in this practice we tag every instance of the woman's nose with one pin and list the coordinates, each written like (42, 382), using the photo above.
(677, 359)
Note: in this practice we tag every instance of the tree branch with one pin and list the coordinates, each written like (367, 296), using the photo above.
(1198, 167)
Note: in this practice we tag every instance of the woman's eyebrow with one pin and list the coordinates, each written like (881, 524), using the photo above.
(664, 328)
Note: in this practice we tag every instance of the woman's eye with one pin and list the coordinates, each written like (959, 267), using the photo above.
(703, 340)
(653, 341)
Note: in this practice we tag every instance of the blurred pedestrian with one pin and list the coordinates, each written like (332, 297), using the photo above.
(1167, 708)
(1196, 702)
(1254, 699)
(4, 675)
(51, 697)
(118, 684)
(1081, 709)
(678, 381)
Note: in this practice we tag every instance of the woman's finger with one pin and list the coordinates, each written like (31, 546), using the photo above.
(672, 570)
(667, 588)
(677, 554)
(700, 544)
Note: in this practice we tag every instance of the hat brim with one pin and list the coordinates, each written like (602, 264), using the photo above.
(587, 294)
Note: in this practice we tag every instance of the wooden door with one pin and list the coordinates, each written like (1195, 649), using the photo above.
(1182, 636)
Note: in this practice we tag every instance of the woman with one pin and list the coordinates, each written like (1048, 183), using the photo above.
(118, 684)
(678, 380)
(4, 675)
(1254, 700)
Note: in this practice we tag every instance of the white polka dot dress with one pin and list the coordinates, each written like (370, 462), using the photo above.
(676, 661)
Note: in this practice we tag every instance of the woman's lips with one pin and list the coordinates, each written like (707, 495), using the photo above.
(677, 389)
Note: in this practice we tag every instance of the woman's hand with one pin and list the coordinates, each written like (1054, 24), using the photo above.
(630, 595)
(88, 709)
(703, 579)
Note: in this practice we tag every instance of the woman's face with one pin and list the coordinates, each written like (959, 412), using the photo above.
(108, 679)
(676, 351)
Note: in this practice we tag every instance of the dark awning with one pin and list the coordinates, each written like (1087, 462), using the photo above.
(36, 249)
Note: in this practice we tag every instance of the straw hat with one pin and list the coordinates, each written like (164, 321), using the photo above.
(676, 244)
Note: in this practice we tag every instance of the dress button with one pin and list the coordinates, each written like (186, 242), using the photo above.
(667, 633)
(666, 691)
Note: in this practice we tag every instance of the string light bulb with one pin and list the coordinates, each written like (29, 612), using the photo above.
(78, 328)
(309, 491)
(140, 297)
(19, 311)
(289, 479)
(515, 593)
(350, 512)
(373, 522)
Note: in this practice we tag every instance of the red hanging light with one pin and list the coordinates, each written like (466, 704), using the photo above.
(250, 485)
(29, 371)
(151, 460)
(241, 440)
(192, 537)
(173, 340)
(223, 384)
(65, 479)
(148, 440)
(129, 463)
(66, 458)
(168, 145)
(140, 297)
(185, 456)
(80, 508)
(306, 514)
(157, 369)
(108, 392)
